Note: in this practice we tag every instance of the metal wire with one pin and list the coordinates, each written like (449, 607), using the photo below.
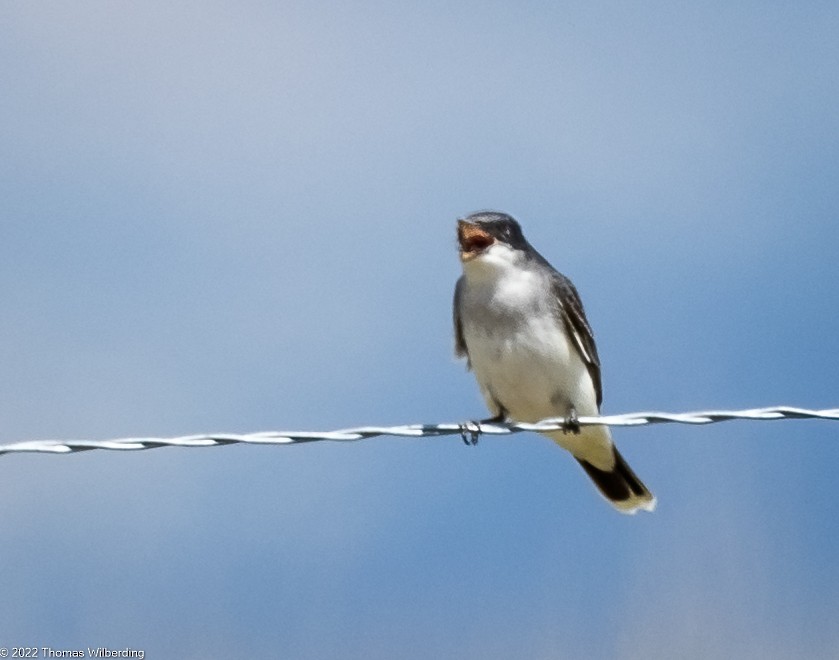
(468, 431)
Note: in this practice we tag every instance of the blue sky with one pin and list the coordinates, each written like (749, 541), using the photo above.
(240, 217)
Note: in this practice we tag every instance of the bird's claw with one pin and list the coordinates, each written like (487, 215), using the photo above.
(572, 423)
(470, 432)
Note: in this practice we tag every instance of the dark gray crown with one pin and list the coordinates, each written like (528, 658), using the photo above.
(501, 226)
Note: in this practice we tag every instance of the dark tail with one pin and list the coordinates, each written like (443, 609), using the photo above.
(624, 490)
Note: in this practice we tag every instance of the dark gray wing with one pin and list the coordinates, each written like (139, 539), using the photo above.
(574, 318)
(459, 342)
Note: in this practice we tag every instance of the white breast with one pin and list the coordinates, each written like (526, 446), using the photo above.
(519, 350)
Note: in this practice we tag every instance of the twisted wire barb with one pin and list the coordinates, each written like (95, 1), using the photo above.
(464, 430)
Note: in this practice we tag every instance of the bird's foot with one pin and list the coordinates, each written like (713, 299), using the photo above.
(572, 423)
(470, 431)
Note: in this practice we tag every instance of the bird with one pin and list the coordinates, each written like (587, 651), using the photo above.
(520, 325)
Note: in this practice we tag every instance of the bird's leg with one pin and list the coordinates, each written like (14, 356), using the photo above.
(572, 423)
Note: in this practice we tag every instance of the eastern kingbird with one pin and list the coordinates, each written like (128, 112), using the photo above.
(520, 325)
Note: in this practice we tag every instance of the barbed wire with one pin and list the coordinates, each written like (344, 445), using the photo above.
(468, 431)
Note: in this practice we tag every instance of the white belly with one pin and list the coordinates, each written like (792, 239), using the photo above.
(524, 362)
(530, 369)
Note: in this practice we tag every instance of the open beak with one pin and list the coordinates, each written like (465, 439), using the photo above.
(473, 240)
